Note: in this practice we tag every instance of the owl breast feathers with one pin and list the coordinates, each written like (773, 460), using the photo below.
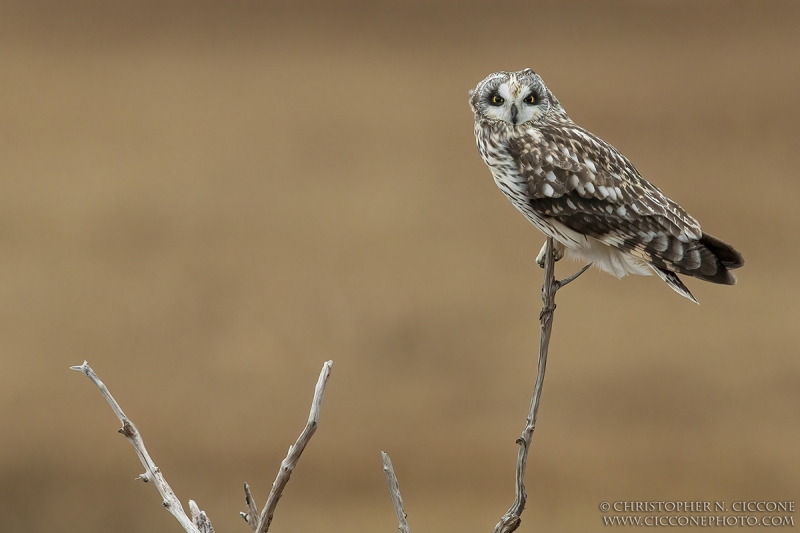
(581, 191)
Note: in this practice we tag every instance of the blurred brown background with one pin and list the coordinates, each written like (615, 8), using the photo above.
(208, 200)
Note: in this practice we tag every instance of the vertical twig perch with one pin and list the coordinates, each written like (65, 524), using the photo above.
(511, 520)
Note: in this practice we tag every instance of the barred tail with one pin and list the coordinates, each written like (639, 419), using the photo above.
(716, 260)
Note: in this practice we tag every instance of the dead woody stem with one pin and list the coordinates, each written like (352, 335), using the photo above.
(511, 520)
(199, 522)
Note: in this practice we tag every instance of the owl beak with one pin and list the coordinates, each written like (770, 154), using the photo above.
(514, 114)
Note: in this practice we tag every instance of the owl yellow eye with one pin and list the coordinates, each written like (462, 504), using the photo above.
(530, 99)
(496, 99)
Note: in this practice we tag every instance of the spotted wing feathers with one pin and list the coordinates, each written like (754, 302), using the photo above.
(588, 186)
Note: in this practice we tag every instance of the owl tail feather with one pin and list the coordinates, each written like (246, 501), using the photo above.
(718, 259)
(675, 283)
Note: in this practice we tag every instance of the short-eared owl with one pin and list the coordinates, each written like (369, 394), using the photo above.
(580, 190)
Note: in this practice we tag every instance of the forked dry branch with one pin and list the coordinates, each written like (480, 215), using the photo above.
(260, 522)
(199, 522)
(511, 519)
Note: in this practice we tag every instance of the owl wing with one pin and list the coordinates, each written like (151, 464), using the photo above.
(585, 184)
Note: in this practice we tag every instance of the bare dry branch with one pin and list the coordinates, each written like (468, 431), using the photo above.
(511, 520)
(563, 283)
(152, 472)
(394, 490)
(295, 451)
(199, 518)
(199, 522)
(251, 516)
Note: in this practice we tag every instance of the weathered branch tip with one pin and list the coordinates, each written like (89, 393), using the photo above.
(80, 368)
(394, 492)
(288, 464)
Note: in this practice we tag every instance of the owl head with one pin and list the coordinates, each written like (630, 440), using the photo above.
(514, 98)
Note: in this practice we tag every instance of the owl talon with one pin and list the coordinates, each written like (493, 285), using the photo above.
(558, 252)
